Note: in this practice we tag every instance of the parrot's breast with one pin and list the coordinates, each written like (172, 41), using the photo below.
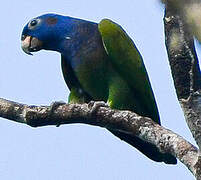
(92, 73)
(89, 61)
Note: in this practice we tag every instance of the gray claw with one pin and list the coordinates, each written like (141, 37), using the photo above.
(95, 105)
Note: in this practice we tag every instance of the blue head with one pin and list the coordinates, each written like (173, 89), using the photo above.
(48, 31)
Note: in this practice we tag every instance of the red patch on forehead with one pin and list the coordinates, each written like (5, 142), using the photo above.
(51, 20)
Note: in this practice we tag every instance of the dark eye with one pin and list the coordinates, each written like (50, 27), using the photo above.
(33, 23)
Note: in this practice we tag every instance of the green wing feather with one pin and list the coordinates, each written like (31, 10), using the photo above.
(127, 60)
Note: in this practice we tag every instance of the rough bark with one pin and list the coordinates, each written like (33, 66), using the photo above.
(190, 11)
(185, 70)
(98, 115)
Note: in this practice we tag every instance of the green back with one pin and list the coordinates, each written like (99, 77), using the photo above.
(128, 62)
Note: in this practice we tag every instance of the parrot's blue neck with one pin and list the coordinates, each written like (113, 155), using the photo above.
(69, 34)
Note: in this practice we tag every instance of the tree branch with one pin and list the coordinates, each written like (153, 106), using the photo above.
(190, 11)
(185, 70)
(126, 121)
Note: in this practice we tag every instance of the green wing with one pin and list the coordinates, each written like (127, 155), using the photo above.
(128, 62)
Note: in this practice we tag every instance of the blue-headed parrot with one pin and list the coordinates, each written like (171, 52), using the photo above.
(99, 62)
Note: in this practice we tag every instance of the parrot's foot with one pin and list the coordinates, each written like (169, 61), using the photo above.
(95, 105)
(54, 106)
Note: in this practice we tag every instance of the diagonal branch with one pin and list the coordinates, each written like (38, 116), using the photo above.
(185, 69)
(126, 121)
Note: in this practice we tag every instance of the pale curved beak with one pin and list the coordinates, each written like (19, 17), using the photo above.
(30, 44)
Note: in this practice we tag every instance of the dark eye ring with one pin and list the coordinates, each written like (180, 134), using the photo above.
(33, 22)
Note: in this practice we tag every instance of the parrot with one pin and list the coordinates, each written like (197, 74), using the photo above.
(99, 62)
